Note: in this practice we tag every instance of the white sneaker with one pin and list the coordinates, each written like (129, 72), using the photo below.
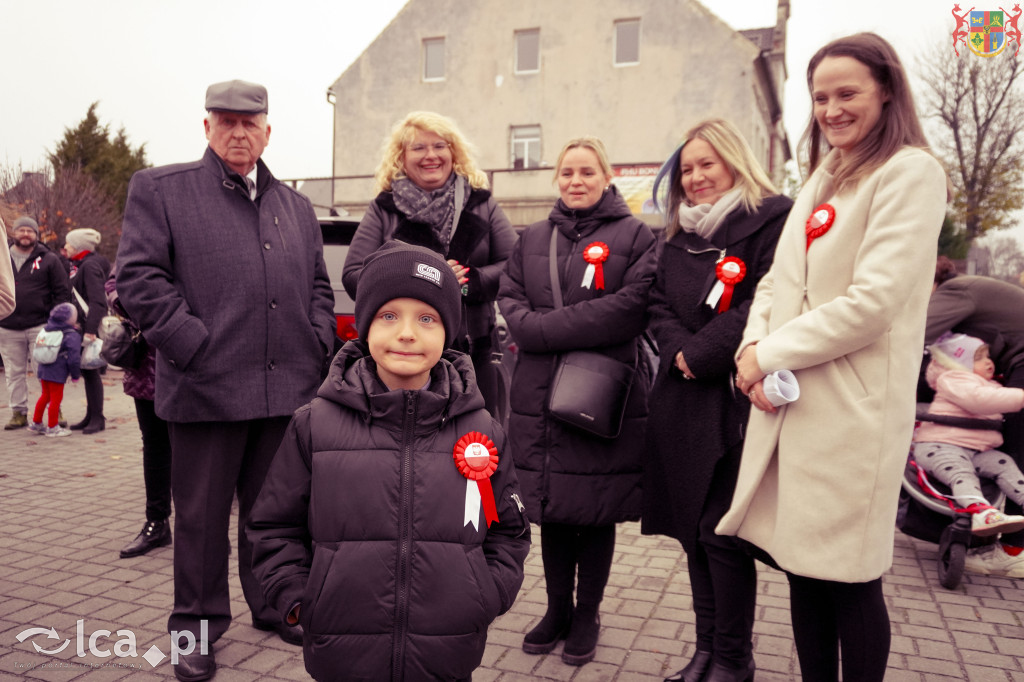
(993, 560)
(57, 431)
(991, 521)
(37, 427)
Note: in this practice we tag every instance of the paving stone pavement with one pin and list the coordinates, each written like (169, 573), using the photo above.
(67, 506)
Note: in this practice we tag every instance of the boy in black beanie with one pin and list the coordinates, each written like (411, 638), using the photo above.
(390, 525)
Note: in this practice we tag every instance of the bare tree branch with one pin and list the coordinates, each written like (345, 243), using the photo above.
(980, 107)
(60, 203)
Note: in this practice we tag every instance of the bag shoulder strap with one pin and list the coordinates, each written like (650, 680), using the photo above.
(556, 287)
(81, 301)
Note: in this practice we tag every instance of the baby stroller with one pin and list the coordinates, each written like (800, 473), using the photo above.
(927, 513)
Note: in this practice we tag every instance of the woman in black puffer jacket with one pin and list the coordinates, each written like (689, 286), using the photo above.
(578, 486)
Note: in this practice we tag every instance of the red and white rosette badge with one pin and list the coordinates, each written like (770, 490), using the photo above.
(476, 458)
(820, 222)
(730, 272)
(595, 254)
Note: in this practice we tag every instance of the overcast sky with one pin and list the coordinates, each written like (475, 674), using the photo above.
(148, 64)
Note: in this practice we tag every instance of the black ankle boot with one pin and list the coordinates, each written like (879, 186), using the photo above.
(581, 644)
(82, 424)
(95, 425)
(154, 534)
(695, 670)
(554, 626)
(719, 673)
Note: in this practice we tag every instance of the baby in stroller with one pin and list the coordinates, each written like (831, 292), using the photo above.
(961, 374)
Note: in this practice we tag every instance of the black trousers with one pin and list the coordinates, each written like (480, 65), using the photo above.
(156, 460)
(831, 615)
(566, 548)
(723, 577)
(93, 381)
(210, 463)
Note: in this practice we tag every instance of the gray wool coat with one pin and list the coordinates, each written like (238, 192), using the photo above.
(233, 293)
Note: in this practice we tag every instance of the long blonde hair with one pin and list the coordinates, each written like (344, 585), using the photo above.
(747, 174)
(392, 164)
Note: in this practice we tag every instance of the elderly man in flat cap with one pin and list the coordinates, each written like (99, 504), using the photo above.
(222, 267)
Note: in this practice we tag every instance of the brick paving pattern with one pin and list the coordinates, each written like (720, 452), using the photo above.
(67, 506)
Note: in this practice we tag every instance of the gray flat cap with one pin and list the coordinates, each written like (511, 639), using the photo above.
(238, 96)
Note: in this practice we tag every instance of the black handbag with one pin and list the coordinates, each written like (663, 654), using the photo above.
(123, 345)
(589, 390)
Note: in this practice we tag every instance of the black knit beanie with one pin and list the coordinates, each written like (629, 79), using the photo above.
(400, 270)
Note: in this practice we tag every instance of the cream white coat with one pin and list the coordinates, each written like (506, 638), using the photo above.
(819, 481)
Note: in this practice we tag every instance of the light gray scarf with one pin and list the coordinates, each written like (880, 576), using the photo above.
(705, 219)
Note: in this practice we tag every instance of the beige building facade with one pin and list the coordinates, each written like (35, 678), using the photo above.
(522, 78)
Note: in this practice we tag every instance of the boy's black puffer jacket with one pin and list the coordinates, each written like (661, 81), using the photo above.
(361, 521)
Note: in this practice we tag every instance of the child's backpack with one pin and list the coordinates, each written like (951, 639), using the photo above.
(47, 346)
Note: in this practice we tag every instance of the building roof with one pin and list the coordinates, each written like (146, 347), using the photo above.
(762, 37)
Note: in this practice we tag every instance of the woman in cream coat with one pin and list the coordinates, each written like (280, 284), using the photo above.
(843, 307)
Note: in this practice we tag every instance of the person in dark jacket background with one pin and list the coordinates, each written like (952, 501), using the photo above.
(53, 375)
(40, 283)
(576, 485)
(432, 194)
(139, 383)
(89, 272)
(722, 209)
(369, 530)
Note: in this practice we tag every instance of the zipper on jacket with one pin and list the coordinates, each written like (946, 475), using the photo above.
(522, 514)
(721, 253)
(404, 538)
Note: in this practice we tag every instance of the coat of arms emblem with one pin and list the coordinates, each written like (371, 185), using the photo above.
(986, 37)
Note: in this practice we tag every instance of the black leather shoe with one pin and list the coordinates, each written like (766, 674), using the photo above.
(195, 667)
(154, 534)
(82, 424)
(292, 634)
(695, 670)
(719, 673)
(95, 426)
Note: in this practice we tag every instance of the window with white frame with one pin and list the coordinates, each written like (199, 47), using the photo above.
(528, 51)
(525, 147)
(627, 42)
(433, 59)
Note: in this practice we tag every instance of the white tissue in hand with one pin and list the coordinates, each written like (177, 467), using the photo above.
(781, 387)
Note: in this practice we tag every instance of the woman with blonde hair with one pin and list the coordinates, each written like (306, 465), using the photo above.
(577, 485)
(722, 222)
(842, 307)
(432, 194)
